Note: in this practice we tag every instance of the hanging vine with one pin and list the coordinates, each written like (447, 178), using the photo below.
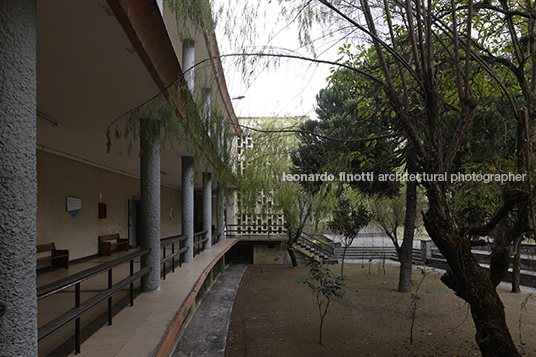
(185, 116)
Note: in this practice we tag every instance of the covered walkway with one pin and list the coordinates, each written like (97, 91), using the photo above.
(77, 76)
(144, 329)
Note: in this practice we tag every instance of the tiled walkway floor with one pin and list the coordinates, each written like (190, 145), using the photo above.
(135, 331)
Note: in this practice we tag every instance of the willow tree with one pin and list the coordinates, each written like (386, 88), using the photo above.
(266, 179)
(192, 109)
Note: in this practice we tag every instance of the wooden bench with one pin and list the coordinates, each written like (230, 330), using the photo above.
(105, 246)
(58, 257)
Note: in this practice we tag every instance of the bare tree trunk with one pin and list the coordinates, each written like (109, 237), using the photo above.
(405, 254)
(294, 234)
(322, 316)
(516, 268)
(292, 256)
(470, 282)
(500, 254)
(392, 236)
(292, 239)
(320, 332)
(342, 262)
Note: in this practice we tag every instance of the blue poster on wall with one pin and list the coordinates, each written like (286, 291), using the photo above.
(74, 205)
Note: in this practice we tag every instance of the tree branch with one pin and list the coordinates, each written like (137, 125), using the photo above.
(268, 131)
(374, 37)
(309, 59)
(486, 5)
(501, 213)
(395, 46)
(455, 38)
(485, 66)
(467, 52)
(413, 39)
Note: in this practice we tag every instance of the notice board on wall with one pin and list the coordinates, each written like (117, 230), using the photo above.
(74, 205)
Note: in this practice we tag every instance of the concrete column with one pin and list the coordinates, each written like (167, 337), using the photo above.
(188, 62)
(426, 250)
(221, 206)
(150, 202)
(207, 101)
(207, 207)
(188, 206)
(18, 178)
(207, 107)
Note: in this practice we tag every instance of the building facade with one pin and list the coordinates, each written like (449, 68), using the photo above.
(71, 71)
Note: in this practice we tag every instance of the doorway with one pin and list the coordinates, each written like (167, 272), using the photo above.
(134, 221)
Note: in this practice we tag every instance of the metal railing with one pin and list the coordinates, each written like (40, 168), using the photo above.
(320, 246)
(164, 243)
(215, 237)
(199, 241)
(255, 229)
(81, 308)
(200, 238)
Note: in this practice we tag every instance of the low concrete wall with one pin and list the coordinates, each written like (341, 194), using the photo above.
(269, 253)
(431, 256)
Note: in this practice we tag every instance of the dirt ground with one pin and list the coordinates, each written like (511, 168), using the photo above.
(275, 316)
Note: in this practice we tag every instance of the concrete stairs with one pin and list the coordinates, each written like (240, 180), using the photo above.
(367, 253)
(317, 249)
(376, 253)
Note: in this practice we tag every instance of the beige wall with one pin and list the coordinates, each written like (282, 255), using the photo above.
(59, 177)
(169, 197)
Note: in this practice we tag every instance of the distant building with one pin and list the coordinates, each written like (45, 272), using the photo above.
(265, 220)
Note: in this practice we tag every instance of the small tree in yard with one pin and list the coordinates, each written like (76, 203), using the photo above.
(347, 221)
(325, 287)
(412, 311)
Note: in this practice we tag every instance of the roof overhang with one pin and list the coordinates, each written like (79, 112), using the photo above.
(97, 62)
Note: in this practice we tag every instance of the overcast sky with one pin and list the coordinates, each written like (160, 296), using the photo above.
(290, 88)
